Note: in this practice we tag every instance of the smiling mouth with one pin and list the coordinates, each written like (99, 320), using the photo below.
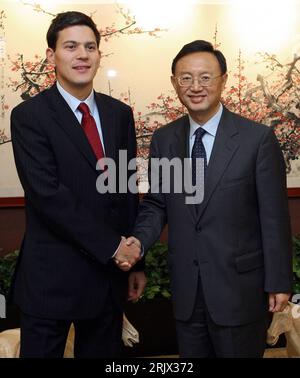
(81, 68)
(197, 98)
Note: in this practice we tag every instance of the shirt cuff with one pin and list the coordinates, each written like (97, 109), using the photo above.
(117, 249)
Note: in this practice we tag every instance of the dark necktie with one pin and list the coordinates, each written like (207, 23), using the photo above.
(198, 151)
(88, 124)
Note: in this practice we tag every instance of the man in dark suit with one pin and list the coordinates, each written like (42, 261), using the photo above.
(67, 270)
(229, 256)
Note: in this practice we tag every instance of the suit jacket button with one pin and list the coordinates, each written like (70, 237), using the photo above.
(195, 262)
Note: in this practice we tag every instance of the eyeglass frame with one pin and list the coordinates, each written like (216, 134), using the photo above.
(194, 78)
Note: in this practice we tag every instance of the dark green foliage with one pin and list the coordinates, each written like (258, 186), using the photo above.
(7, 266)
(158, 282)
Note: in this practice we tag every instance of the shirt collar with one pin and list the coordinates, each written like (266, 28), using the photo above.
(210, 126)
(73, 102)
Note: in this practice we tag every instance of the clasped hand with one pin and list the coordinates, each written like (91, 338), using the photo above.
(128, 254)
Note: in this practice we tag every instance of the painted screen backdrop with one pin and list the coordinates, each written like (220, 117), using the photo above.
(260, 39)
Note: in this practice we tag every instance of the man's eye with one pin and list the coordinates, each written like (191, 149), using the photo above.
(186, 78)
(91, 47)
(205, 78)
(70, 47)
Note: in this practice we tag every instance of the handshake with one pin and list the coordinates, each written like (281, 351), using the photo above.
(128, 253)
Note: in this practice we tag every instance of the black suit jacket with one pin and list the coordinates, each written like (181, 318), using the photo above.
(239, 241)
(65, 268)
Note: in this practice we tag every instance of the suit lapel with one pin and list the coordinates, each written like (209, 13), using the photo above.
(108, 125)
(66, 119)
(225, 146)
(180, 148)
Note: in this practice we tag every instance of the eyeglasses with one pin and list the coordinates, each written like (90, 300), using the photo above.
(187, 80)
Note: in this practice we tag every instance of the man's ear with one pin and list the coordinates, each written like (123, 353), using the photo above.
(173, 81)
(224, 81)
(50, 56)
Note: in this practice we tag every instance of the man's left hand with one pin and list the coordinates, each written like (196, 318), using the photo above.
(278, 301)
(136, 285)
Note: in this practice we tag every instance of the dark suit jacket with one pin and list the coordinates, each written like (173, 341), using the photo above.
(239, 241)
(65, 268)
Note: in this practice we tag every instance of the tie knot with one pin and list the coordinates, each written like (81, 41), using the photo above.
(83, 108)
(199, 133)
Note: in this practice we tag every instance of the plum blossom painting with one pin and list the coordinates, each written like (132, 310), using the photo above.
(138, 44)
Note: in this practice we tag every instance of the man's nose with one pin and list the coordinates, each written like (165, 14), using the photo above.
(196, 84)
(82, 53)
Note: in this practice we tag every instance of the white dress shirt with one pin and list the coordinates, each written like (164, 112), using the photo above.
(73, 103)
(211, 127)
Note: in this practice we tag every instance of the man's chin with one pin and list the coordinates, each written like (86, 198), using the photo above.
(83, 83)
(197, 107)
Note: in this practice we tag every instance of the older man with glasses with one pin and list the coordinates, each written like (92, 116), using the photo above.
(230, 256)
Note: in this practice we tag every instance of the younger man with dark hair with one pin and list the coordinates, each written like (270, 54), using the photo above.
(67, 269)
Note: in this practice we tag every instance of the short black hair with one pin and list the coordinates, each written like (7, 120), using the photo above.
(200, 46)
(67, 19)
